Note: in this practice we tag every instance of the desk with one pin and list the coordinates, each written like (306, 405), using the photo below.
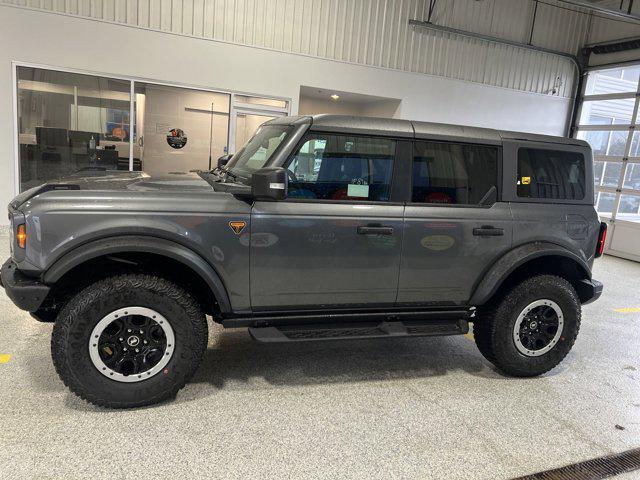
(121, 147)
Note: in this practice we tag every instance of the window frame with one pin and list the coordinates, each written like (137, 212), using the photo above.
(290, 132)
(510, 171)
(584, 162)
(397, 193)
(498, 178)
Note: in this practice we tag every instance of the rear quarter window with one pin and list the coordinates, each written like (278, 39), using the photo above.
(551, 174)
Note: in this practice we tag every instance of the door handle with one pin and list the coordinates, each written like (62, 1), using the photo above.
(488, 231)
(375, 230)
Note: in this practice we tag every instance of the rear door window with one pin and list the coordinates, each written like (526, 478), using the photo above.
(453, 173)
(552, 174)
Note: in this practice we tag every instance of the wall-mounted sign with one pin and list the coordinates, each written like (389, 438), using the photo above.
(176, 138)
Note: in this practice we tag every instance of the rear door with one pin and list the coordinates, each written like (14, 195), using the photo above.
(454, 226)
(335, 241)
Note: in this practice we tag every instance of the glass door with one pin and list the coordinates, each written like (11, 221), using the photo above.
(248, 113)
(608, 119)
(247, 123)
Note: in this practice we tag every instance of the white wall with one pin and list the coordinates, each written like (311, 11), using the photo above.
(310, 106)
(63, 41)
(375, 108)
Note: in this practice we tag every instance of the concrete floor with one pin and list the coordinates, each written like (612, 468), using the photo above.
(406, 408)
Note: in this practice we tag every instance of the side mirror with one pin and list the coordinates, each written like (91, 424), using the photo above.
(269, 183)
(223, 160)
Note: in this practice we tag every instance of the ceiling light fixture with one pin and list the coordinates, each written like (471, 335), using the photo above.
(335, 97)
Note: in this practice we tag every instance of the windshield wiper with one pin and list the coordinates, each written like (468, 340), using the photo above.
(209, 174)
(229, 173)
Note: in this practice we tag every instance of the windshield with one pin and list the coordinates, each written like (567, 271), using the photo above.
(257, 151)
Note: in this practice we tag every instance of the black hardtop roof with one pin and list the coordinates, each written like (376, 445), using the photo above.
(413, 129)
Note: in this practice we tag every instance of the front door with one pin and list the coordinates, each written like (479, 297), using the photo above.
(454, 228)
(335, 242)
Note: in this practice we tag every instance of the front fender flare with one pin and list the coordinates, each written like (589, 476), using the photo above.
(141, 243)
(501, 269)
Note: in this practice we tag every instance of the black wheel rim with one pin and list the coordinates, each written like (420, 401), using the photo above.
(131, 344)
(538, 327)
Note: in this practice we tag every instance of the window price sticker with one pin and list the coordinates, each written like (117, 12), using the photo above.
(358, 191)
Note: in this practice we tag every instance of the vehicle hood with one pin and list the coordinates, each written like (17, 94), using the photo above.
(111, 181)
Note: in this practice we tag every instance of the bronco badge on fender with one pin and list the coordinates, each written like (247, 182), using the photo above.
(237, 226)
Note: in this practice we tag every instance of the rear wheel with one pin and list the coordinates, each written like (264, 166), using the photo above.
(128, 341)
(531, 328)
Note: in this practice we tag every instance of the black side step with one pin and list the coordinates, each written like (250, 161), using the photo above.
(351, 315)
(342, 331)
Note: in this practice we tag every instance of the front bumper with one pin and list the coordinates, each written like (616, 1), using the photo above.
(26, 292)
(589, 291)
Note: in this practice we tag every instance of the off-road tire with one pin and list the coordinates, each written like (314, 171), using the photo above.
(71, 332)
(494, 325)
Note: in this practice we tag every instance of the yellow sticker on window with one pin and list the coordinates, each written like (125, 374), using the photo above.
(526, 180)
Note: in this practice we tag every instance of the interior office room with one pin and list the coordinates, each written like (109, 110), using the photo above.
(223, 153)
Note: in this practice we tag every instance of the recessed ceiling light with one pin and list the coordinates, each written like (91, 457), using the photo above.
(335, 97)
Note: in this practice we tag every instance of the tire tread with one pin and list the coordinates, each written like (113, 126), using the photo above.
(109, 286)
(489, 328)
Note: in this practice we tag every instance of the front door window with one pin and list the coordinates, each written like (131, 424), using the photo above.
(342, 167)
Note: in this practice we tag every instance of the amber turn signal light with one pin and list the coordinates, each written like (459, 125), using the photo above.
(21, 235)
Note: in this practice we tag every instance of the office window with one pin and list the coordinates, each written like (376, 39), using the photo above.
(341, 167)
(452, 173)
(69, 123)
(550, 174)
(178, 128)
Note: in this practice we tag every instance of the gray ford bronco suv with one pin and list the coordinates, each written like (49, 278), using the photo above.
(318, 228)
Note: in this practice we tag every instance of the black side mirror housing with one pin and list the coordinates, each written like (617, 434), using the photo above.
(224, 159)
(269, 183)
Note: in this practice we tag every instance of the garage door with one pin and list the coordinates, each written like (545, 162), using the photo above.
(608, 120)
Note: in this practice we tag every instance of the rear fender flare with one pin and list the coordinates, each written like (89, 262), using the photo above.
(508, 263)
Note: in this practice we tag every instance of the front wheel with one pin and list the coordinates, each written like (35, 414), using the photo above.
(532, 328)
(128, 341)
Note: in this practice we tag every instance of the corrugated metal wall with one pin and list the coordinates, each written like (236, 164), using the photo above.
(604, 30)
(371, 32)
(555, 28)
